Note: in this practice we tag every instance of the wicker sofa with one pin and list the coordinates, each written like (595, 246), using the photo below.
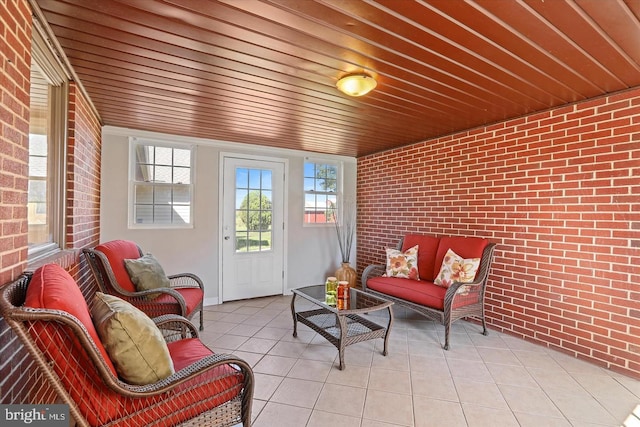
(426, 291)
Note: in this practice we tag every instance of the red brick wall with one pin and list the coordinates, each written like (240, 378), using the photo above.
(20, 381)
(15, 63)
(83, 173)
(559, 192)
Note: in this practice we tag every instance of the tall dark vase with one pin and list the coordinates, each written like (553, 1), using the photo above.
(347, 273)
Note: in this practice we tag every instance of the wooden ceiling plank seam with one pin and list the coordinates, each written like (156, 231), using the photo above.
(249, 111)
(379, 131)
(562, 35)
(608, 23)
(522, 39)
(503, 37)
(395, 111)
(161, 66)
(577, 46)
(420, 87)
(72, 39)
(493, 54)
(446, 57)
(482, 94)
(320, 138)
(263, 72)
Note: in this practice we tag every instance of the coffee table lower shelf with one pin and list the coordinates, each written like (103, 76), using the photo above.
(330, 326)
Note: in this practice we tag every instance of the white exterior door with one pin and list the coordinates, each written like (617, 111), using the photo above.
(252, 228)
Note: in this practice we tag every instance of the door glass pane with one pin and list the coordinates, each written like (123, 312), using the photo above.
(254, 210)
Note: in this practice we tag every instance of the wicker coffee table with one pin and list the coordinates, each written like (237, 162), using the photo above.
(342, 327)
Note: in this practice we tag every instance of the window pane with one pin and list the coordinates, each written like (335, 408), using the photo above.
(321, 192)
(162, 195)
(253, 209)
(143, 214)
(163, 174)
(161, 167)
(182, 157)
(182, 175)
(164, 156)
(162, 214)
(267, 178)
(181, 194)
(181, 214)
(242, 178)
(143, 194)
(254, 179)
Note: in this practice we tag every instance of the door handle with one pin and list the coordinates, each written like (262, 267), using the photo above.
(226, 237)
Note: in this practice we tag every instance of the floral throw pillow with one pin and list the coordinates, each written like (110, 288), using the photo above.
(456, 269)
(403, 264)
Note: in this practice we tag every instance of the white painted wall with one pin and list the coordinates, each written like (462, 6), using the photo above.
(312, 251)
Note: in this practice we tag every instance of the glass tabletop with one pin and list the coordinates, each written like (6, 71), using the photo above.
(358, 301)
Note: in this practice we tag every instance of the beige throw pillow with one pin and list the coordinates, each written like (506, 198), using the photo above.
(146, 273)
(456, 269)
(403, 264)
(134, 343)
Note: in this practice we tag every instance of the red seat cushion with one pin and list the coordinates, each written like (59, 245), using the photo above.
(419, 292)
(187, 351)
(427, 248)
(192, 297)
(116, 252)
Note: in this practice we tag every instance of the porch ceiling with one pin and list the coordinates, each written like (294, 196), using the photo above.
(264, 71)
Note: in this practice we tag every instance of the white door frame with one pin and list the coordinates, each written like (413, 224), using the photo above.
(285, 213)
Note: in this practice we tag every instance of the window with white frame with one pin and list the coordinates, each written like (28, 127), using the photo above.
(321, 184)
(48, 100)
(160, 185)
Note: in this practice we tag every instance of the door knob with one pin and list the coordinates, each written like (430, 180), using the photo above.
(226, 237)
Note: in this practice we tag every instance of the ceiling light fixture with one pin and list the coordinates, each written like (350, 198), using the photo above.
(356, 84)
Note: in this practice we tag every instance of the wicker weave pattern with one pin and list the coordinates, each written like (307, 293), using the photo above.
(342, 327)
(461, 300)
(217, 390)
(171, 301)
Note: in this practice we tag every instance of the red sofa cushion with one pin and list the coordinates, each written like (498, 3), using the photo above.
(192, 298)
(419, 292)
(466, 247)
(427, 248)
(116, 252)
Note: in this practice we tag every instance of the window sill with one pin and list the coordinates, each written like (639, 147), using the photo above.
(65, 259)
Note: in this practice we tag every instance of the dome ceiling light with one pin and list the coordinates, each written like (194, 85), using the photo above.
(356, 84)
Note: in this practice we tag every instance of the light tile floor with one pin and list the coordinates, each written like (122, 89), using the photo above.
(494, 380)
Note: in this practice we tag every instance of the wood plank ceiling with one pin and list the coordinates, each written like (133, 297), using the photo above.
(264, 71)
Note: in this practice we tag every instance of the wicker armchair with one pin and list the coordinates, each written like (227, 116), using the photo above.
(184, 296)
(206, 389)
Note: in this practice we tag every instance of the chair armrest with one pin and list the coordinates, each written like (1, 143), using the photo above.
(185, 280)
(373, 270)
(474, 291)
(199, 369)
(175, 327)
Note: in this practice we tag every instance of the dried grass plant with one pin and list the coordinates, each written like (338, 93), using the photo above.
(345, 223)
